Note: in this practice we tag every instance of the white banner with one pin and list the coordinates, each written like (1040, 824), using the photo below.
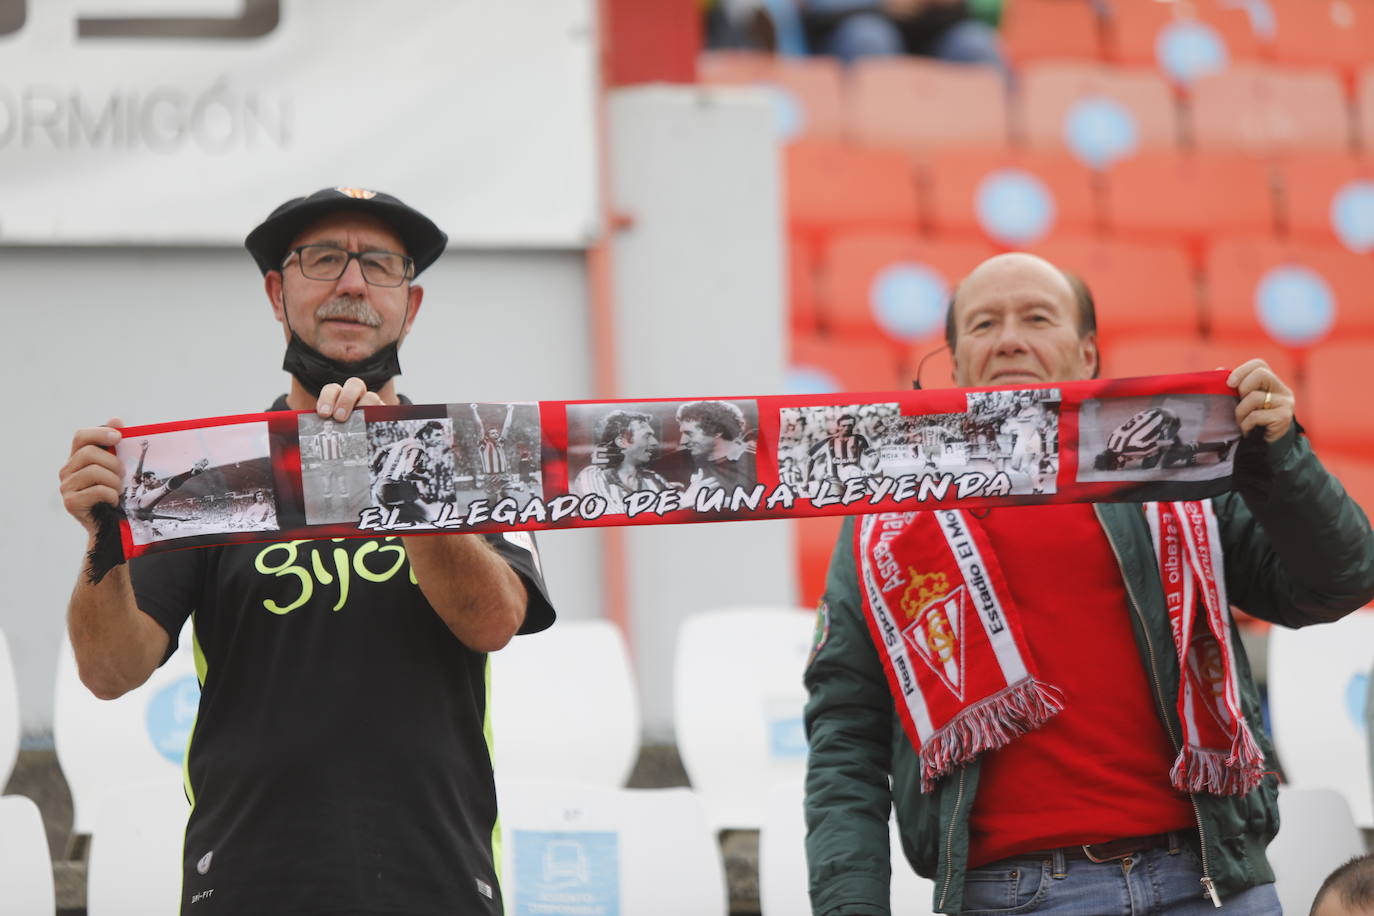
(187, 121)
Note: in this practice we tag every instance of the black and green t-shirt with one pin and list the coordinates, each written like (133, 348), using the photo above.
(339, 763)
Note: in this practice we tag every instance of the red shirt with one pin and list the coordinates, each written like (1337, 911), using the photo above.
(1100, 769)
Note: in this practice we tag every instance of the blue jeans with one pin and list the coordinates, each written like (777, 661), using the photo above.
(1150, 883)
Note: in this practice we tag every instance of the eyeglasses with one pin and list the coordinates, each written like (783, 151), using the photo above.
(328, 262)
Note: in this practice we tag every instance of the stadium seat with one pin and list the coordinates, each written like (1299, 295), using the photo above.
(594, 730)
(918, 104)
(9, 713)
(26, 883)
(1098, 113)
(1040, 29)
(807, 95)
(611, 850)
(1137, 288)
(832, 186)
(104, 745)
(1265, 111)
(895, 286)
(737, 705)
(1131, 355)
(136, 851)
(1329, 198)
(732, 68)
(1192, 199)
(1364, 108)
(822, 364)
(815, 544)
(1185, 41)
(1316, 835)
(934, 368)
(1294, 293)
(782, 861)
(801, 288)
(1014, 199)
(1355, 470)
(1323, 33)
(1335, 404)
(1318, 678)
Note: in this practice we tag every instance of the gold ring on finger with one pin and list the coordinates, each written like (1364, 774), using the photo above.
(1268, 400)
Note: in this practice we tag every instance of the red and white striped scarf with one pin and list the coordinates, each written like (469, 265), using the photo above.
(1219, 753)
(964, 680)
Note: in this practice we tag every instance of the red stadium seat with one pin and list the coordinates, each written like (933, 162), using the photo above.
(919, 104)
(1138, 289)
(821, 364)
(1039, 29)
(1264, 111)
(801, 289)
(1098, 113)
(1328, 33)
(1329, 198)
(1182, 40)
(1335, 403)
(815, 544)
(833, 186)
(1364, 109)
(1355, 470)
(1294, 293)
(1171, 198)
(807, 98)
(933, 366)
(1128, 356)
(894, 286)
(1015, 200)
(732, 68)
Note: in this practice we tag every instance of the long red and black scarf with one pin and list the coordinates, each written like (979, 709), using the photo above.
(463, 467)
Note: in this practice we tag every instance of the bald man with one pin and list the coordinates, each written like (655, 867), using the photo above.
(1100, 793)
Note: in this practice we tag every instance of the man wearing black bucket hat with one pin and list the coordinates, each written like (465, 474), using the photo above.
(338, 763)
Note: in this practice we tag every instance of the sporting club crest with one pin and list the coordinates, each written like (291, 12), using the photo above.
(357, 193)
(937, 629)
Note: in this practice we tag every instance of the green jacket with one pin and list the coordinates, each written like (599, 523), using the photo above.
(1297, 550)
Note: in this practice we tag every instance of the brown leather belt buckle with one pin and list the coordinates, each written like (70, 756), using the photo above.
(1112, 850)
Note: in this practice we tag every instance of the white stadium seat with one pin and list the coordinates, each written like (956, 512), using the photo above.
(1318, 683)
(142, 736)
(782, 860)
(636, 852)
(1316, 833)
(26, 887)
(9, 714)
(136, 842)
(737, 705)
(564, 705)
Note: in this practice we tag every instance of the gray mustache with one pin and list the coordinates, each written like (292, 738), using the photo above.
(349, 308)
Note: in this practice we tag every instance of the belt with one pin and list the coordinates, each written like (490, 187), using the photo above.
(1112, 850)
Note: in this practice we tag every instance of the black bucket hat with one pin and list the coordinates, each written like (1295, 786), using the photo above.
(424, 241)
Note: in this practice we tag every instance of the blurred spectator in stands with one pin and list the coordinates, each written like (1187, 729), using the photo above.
(943, 29)
(960, 31)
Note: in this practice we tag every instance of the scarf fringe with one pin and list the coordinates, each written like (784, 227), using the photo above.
(107, 551)
(1200, 769)
(987, 725)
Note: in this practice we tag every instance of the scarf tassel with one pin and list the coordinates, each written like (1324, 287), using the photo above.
(988, 725)
(1199, 769)
(107, 551)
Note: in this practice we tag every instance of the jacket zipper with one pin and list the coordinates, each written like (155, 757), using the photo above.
(949, 844)
(1206, 880)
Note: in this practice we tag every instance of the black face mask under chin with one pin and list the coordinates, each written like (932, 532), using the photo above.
(314, 370)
